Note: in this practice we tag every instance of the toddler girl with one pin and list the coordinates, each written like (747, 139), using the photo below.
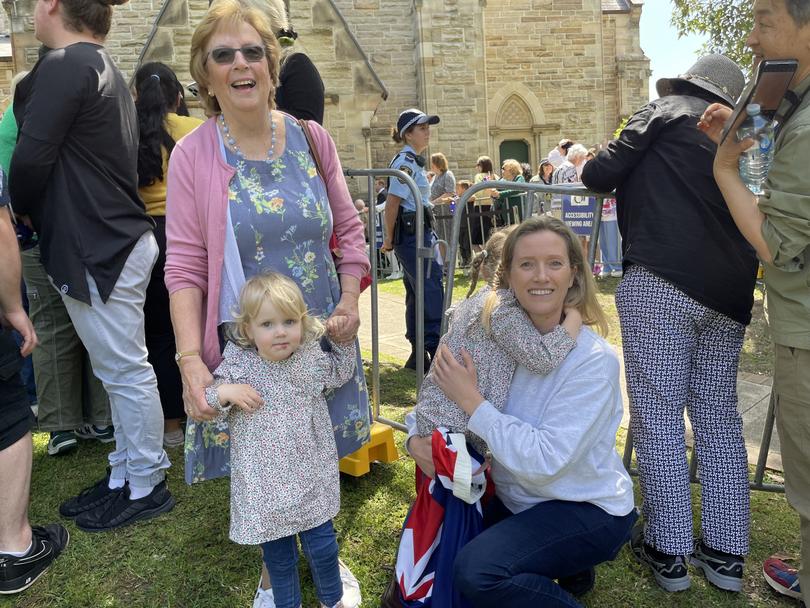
(515, 339)
(284, 463)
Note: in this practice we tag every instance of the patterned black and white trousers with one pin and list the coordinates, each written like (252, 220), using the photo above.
(680, 354)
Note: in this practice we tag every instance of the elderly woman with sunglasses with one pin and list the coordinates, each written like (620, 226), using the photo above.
(245, 195)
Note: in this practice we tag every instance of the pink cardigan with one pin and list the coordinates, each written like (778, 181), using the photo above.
(196, 216)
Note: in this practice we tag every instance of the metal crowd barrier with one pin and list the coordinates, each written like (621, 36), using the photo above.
(762, 456)
(422, 253)
(530, 188)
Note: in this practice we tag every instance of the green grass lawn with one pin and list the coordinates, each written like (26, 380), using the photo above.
(184, 559)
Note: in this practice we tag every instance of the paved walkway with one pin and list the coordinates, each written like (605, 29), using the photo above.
(753, 390)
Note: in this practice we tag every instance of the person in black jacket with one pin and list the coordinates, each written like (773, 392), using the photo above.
(683, 304)
(382, 190)
(300, 88)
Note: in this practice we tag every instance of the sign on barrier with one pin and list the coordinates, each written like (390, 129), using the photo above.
(578, 212)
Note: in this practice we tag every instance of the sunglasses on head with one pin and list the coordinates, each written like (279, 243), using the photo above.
(224, 55)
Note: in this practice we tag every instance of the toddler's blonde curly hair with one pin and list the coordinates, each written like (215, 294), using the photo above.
(284, 294)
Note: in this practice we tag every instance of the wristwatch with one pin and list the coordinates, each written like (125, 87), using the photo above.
(188, 353)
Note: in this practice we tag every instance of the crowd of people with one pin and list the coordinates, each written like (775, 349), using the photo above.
(211, 270)
(492, 208)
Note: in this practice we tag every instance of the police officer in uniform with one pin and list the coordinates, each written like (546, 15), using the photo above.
(413, 130)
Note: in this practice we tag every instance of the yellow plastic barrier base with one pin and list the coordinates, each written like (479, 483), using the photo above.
(380, 447)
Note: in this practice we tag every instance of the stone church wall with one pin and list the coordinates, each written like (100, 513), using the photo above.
(494, 71)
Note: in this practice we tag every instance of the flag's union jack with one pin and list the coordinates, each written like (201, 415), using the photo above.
(444, 517)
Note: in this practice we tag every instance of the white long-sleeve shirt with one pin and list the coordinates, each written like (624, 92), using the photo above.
(556, 437)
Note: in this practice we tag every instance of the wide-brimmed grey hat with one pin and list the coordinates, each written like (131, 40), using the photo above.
(716, 74)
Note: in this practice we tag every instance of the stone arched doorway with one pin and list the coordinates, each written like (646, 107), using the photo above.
(516, 124)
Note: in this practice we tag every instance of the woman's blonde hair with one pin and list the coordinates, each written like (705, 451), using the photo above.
(231, 13)
(581, 295)
(284, 294)
(440, 160)
(512, 165)
(488, 258)
(275, 11)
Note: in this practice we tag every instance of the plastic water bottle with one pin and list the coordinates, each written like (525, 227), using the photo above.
(756, 161)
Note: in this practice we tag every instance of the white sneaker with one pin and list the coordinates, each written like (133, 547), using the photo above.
(351, 588)
(264, 597)
(394, 276)
(616, 274)
(351, 591)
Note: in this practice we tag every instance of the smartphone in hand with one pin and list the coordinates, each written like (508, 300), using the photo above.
(767, 89)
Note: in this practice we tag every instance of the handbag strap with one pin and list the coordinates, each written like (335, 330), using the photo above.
(313, 149)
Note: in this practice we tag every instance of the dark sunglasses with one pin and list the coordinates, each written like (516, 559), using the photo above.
(224, 55)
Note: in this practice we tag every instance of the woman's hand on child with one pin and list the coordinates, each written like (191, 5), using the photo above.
(340, 329)
(196, 377)
(572, 322)
(242, 396)
(458, 382)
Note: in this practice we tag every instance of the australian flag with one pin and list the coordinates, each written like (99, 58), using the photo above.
(444, 517)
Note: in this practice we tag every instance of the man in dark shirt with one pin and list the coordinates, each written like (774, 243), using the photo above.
(83, 148)
(382, 191)
(683, 304)
(25, 552)
(74, 172)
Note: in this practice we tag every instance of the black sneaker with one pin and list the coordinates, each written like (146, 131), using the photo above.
(579, 584)
(411, 362)
(88, 499)
(62, 442)
(121, 511)
(670, 571)
(104, 434)
(723, 570)
(19, 573)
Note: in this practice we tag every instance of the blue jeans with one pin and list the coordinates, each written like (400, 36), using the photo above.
(610, 246)
(514, 562)
(321, 550)
(434, 292)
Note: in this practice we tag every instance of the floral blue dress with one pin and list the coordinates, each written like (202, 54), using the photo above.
(281, 221)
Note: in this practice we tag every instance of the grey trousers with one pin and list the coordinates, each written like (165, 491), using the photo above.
(113, 332)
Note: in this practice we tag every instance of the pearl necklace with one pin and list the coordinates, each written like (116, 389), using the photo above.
(232, 142)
